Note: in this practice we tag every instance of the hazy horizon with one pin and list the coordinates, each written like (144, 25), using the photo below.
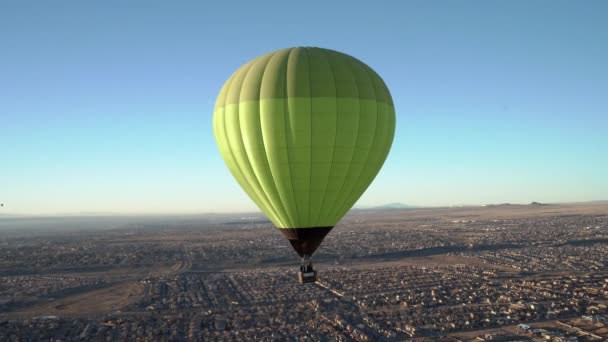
(257, 212)
(108, 108)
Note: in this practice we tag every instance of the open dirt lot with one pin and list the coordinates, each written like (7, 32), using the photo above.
(94, 302)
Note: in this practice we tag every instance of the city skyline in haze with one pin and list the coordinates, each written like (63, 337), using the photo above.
(108, 107)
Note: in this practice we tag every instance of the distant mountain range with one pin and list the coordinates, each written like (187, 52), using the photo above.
(537, 203)
(534, 204)
(395, 205)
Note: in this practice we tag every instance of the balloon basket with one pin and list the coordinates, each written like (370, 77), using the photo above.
(307, 273)
(307, 277)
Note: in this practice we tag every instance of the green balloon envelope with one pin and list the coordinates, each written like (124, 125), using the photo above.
(304, 131)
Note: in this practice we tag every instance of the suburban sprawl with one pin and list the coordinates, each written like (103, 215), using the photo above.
(504, 272)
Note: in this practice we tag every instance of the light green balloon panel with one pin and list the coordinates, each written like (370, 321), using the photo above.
(304, 131)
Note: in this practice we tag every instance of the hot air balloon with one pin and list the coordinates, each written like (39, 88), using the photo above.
(304, 131)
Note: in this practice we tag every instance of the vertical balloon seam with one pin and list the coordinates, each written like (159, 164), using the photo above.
(333, 213)
(320, 137)
(222, 137)
(310, 147)
(341, 199)
(273, 183)
(368, 177)
(288, 117)
(347, 199)
(226, 142)
(257, 191)
(358, 189)
(333, 157)
(246, 162)
(372, 169)
(381, 158)
(230, 160)
(392, 117)
(338, 198)
(381, 87)
(300, 60)
(266, 186)
(252, 192)
(287, 193)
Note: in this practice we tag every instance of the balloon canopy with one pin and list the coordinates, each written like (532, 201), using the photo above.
(304, 131)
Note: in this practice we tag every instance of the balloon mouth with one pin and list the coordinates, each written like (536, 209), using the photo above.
(305, 241)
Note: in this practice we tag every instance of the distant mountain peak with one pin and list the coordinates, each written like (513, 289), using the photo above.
(395, 205)
(498, 205)
(513, 205)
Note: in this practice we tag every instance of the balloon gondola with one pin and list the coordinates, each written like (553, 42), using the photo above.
(304, 131)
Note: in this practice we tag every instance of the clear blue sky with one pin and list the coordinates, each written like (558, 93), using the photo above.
(106, 106)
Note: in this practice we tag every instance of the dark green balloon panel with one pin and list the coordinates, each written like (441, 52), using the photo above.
(304, 131)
